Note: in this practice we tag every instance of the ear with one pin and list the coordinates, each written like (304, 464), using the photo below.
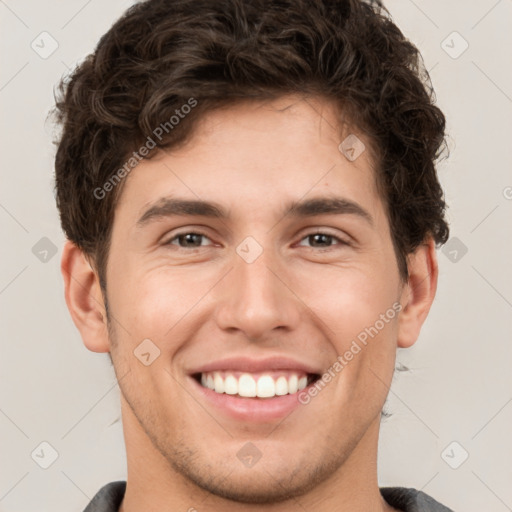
(84, 298)
(418, 294)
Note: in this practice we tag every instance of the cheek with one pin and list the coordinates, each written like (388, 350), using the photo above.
(358, 313)
(349, 300)
(152, 301)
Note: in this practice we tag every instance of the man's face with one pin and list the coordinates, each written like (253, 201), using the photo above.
(257, 292)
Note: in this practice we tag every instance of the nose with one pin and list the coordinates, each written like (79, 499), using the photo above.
(256, 300)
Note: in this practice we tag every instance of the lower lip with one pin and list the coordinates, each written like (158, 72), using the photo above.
(254, 410)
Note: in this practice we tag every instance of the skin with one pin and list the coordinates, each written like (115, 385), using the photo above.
(303, 298)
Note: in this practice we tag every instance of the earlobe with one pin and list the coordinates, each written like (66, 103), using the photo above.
(84, 298)
(418, 294)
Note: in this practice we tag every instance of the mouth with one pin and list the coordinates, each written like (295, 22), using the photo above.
(263, 385)
(251, 390)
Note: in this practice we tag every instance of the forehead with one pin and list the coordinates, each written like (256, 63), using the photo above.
(260, 155)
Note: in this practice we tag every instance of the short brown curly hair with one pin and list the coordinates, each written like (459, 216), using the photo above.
(162, 53)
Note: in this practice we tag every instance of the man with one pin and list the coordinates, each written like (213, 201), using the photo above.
(252, 207)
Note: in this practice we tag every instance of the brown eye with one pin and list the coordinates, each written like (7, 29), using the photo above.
(188, 240)
(323, 240)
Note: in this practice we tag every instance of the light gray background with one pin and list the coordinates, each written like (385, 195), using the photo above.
(459, 384)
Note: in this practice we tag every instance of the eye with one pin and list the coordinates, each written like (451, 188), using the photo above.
(192, 240)
(323, 240)
(188, 240)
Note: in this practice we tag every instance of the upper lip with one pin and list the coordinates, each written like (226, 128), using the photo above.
(253, 365)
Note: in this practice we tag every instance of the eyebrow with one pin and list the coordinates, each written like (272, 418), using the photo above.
(169, 207)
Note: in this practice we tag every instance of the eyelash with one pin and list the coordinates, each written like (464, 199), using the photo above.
(340, 241)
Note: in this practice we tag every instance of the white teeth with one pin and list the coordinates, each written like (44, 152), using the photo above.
(218, 382)
(266, 387)
(281, 386)
(293, 384)
(207, 381)
(246, 385)
(230, 385)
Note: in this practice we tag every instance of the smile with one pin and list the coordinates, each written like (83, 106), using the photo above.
(260, 385)
(253, 390)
